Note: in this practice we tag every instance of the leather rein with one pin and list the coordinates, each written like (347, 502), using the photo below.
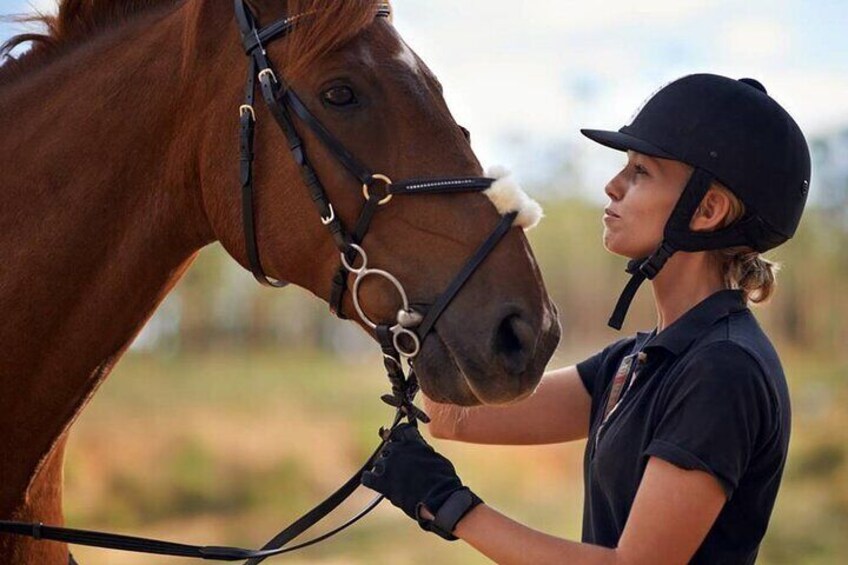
(399, 340)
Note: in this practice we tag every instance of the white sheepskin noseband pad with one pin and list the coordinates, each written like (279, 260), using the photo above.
(507, 196)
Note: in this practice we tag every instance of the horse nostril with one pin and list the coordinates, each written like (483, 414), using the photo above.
(513, 344)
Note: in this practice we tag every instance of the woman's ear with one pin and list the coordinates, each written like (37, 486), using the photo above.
(712, 212)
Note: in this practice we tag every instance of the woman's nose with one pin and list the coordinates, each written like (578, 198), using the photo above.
(614, 189)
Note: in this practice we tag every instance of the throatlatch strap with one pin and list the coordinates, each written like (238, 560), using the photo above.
(247, 122)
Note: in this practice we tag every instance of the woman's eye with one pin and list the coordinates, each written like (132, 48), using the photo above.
(640, 170)
(340, 96)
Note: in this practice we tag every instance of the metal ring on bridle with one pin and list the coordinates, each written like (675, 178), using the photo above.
(350, 267)
(397, 332)
(367, 194)
(364, 273)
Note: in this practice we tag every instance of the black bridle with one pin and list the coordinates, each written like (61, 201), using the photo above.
(399, 340)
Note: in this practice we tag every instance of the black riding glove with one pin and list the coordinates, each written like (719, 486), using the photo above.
(413, 476)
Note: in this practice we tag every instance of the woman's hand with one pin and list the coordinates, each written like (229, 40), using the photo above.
(421, 482)
(673, 511)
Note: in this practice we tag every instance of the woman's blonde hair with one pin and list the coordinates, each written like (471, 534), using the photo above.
(741, 267)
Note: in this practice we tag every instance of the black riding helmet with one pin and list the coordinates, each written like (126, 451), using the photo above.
(729, 131)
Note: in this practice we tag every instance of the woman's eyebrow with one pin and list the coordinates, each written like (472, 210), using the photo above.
(653, 160)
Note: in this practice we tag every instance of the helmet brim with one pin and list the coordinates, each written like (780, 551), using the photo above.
(625, 142)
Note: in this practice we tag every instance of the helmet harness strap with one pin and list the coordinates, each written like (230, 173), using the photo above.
(676, 237)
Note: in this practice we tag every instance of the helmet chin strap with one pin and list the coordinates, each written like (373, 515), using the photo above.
(676, 237)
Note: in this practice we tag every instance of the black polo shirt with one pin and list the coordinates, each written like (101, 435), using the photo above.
(707, 393)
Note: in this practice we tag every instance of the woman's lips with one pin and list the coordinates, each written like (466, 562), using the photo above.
(610, 214)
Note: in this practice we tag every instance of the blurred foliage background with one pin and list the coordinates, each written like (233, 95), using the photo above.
(240, 407)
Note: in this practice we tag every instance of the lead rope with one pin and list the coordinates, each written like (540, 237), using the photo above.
(405, 387)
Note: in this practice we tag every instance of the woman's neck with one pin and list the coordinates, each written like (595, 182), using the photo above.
(686, 280)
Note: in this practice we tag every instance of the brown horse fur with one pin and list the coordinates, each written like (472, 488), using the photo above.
(119, 163)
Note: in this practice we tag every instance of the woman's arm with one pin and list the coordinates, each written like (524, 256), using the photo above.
(671, 515)
(558, 411)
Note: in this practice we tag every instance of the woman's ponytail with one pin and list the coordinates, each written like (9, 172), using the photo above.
(748, 271)
(741, 267)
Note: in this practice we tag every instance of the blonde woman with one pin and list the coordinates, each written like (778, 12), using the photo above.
(688, 424)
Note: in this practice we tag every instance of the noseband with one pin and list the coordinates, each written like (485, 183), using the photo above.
(399, 339)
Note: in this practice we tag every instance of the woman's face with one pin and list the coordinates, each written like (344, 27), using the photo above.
(642, 197)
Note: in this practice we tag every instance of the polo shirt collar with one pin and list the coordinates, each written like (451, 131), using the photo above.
(680, 334)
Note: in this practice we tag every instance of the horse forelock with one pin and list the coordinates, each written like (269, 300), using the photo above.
(326, 26)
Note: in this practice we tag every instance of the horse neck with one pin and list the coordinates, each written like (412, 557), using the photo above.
(101, 216)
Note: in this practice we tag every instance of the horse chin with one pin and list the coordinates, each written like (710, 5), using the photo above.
(448, 378)
(440, 377)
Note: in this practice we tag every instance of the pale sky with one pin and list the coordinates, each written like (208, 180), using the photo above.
(525, 76)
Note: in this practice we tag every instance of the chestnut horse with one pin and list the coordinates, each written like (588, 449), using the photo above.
(119, 162)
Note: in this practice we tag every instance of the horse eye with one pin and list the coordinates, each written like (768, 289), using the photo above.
(340, 96)
(466, 133)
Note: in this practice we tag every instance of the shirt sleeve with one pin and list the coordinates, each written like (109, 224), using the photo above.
(714, 414)
(589, 369)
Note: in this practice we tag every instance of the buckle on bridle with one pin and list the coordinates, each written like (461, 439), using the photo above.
(327, 219)
(249, 109)
(264, 72)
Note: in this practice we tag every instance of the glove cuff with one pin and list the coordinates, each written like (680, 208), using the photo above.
(452, 510)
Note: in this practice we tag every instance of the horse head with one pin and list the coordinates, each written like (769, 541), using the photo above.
(357, 77)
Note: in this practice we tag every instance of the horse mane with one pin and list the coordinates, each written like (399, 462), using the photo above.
(74, 22)
(330, 24)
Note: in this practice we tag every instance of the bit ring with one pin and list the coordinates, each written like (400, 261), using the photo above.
(362, 275)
